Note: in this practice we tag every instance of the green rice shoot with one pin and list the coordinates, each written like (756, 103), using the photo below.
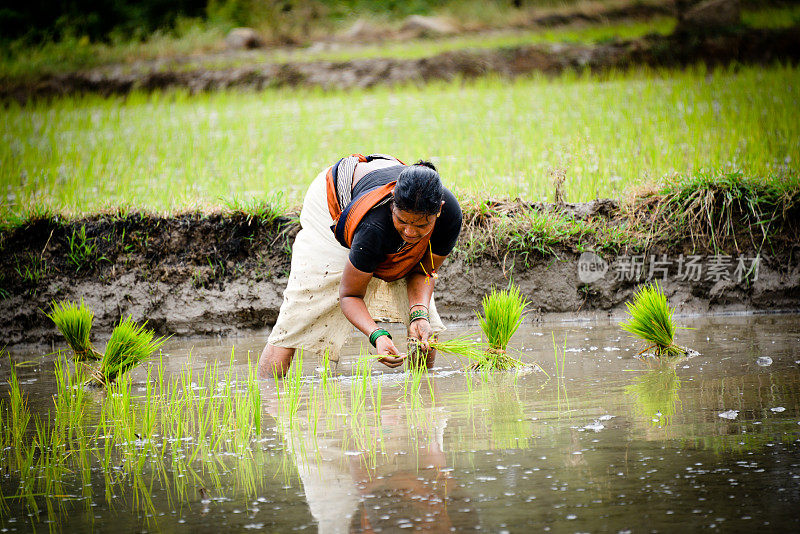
(130, 345)
(502, 314)
(464, 346)
(482, 356)
(651, 321)
(599, 130)
(74, 321)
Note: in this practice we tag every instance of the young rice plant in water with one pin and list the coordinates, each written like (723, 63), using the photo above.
(502, 314)
(651, 320)
(130, 344)
(74, 321)
(137, 442)
(503, 311)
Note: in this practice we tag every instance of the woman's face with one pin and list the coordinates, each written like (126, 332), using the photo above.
(412, 226)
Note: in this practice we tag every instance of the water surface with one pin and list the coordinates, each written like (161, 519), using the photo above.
(605, 443)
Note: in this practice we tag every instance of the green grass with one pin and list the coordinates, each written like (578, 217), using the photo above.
(172, 151)
(174, 54)
(772, 17)
(21, 61)
(650, 319)
(81, 248)
(74, 321)
(179, 49)
(498, 229)
(716, 213)
(712, 210)
(418, 49)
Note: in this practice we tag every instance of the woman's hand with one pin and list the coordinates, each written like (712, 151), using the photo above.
(422, 332)
(390, 356)
(420, 351)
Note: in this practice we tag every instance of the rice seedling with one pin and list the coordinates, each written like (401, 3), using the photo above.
(74, 321)
(464, 345)
(651, 320)
(502, 314)
(19, 415)
(480, 355)
(598, 129)
(130, 344)
(360, 384)
(560, 360)
(289, 387)
(71, 402)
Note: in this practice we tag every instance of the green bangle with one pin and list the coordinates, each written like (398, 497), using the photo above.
(418, 314)
(378, 332)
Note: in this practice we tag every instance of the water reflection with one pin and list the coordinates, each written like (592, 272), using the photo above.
(655, 392)
(374, 471)
(602, 442)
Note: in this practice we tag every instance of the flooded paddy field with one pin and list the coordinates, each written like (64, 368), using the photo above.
(589, 439)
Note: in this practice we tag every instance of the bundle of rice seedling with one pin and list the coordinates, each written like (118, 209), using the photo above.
(481, 355)
(130, 344)
(502, 314)
(503, 311)
(499, 359)
(75, 323)
(463, 346)
(651, 320)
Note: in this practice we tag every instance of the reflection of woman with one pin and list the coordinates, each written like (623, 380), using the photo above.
(399, 223)
(358, 477)
(411, 490)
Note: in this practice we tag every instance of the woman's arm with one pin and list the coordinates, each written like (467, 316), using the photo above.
(420, 290)
(352, 289)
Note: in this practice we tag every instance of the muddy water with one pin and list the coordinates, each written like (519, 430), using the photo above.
(601, 442)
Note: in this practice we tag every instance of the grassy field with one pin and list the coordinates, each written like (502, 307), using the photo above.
(182, 53)
(173, 151)
(777, 17)
(193, 45)
(415, 49)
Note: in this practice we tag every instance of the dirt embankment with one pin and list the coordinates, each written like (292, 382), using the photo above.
(217, 274)
(718, 48)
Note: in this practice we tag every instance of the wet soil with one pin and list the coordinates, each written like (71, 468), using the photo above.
(201, 274)
(720, 47)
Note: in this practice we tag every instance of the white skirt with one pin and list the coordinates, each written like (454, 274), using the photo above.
(310, 317)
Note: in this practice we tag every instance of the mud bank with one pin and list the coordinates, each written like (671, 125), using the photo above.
(197, 273)
(720, 48)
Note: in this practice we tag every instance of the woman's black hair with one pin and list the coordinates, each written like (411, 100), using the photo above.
(419, 189)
